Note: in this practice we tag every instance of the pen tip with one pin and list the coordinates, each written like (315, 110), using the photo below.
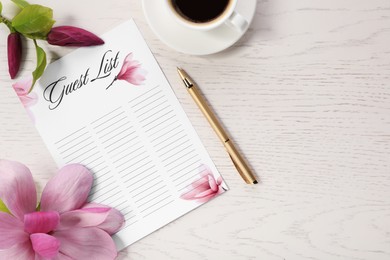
(255, 182)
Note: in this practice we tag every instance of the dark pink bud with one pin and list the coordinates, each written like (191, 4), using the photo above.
(14, 46)
(72, 36)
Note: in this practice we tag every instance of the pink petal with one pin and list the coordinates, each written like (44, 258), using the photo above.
(131, 71)
(219, 180)
(61, 256)
(113, 222)
(204, 194)
(138, 77)
(41, 222)
(191, 194)
(207, 198)
(29, 100)
(17, 189)
(134, 75)
(11, 231)
(90, 217)
(86, 243)
(23, 87)
(202, 181)
(125, 65)
(45, 245)
(21, 251)
(212, 183)
(68, 190)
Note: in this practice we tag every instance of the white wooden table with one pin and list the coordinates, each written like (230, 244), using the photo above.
(306, 95)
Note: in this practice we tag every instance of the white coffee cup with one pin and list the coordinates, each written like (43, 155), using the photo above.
(229, 16)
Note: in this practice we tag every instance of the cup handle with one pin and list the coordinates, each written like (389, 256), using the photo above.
(237, 21)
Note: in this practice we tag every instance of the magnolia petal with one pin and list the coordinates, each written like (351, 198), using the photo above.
(45, 245)
(219, 180)
(207, 198)
(11, 231)
(138, 77)
(20, 251)
(203, 181)
(41, 222)
(90, 217)
(131, 71)
(191, 194)
(213, 183)
(23, 86)
(134, 75)
(86, 243)
(61, 256)
(113, 222)
(125, 64)
(17, 188)
(204, 194)
(68, 190)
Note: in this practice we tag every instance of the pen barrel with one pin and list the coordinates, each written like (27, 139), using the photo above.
(208, 113)
(240, 164)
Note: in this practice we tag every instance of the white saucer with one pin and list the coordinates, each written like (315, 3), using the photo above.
(190, 41)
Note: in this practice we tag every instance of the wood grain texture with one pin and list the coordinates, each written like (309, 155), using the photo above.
(306, 95)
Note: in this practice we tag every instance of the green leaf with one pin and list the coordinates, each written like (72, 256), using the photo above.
(3, 207)
(21, 3)
(1, 8)
(41, 64)
(34, 21)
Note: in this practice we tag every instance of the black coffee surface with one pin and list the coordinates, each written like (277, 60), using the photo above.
(200, 11)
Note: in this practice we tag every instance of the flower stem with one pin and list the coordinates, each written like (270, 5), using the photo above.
(112, 82)
(7, 22)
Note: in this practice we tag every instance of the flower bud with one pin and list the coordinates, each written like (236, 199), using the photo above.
(14, 45)
(72, 36)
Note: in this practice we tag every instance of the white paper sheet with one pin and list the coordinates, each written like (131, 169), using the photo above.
(134, 136)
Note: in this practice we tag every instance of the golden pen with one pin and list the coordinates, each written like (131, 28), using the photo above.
(238, 160)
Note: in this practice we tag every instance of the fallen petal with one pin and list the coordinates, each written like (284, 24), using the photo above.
(11, 230)
(68, 189)
(22, 88)
(86, 243)
(17, 188)
(45, 245)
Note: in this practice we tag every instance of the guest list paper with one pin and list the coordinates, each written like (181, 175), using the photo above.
(111, 109)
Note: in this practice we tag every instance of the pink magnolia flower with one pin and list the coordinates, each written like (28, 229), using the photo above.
(131, 72)
(66, 227)
(28, 99)
(205, 188)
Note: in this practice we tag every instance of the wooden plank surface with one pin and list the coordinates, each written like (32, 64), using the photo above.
(306, 95)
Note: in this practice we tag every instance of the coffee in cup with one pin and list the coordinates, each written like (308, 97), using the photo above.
(207, 14)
